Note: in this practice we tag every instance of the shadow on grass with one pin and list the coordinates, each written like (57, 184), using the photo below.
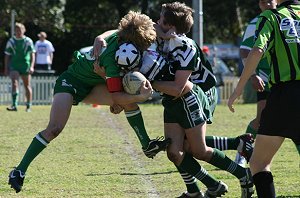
(117, 173)
(297, 196)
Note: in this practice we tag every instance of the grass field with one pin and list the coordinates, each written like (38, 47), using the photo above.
(98, 155)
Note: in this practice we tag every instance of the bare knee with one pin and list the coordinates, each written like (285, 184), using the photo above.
(52, 132)
(174, 157)
(203, 154)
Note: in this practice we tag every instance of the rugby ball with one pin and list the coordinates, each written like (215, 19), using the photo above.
(132, 82)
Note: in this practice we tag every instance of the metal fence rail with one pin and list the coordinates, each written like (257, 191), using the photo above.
(42, 90)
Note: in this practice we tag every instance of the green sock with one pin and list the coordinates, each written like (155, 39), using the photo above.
(222, 143)
(220, 160)
(28, 105)
(189, 180)
(15, 99)
(191, 166)
(135, 119)
(251, 130)
(37, 145)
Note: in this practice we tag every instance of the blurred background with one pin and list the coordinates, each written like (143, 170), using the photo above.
(73, 24)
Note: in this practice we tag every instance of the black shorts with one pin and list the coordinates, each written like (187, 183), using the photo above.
(281, 116)
(262, 95)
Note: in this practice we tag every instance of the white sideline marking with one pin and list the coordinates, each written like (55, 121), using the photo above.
(146, 179)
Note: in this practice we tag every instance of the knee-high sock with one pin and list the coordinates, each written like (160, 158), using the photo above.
(135, 119)
(37, 145)
(189, 180)
(264, 184)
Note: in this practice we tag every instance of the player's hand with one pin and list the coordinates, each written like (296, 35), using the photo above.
(146, 90)
(31, 70)
(116, 109)
(99, 43)
(257, 83)
(99, 70)
(232, 98)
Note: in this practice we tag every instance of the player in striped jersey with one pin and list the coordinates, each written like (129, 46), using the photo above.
(183, 97)
(277, 37)
(259, 79)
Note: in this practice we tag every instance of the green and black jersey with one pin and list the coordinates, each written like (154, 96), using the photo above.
(278, 34)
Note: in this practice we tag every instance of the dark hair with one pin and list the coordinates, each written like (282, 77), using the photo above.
(179, 15)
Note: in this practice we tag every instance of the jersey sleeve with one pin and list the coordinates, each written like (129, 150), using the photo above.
(264, 30)
(9, 49)
(29, 45)
(183, 51)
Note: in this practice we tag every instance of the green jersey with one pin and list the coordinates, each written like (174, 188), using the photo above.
(20, 50)
(277, 33)
(263, 69)
(83, 68)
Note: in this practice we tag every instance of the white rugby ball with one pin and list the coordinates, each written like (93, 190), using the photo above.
(132, 82)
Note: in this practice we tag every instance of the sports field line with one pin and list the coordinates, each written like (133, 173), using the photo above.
(145, 179)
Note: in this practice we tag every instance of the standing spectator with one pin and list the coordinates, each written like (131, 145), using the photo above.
(277, 38)
(44, 52)
(19, 61)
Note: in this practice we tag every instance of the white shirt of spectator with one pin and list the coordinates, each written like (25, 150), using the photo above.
(43, 51)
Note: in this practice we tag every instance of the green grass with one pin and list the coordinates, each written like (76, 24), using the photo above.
(98, 155)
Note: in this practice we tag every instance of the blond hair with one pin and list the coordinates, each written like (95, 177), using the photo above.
(21, 26)
(138, 29)
(179, 15)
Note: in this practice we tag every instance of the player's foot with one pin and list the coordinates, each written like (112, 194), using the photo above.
(28, 109)
(12, 108)
(220, 190)
(155, 146)
(240, 160)
(187, 195)
(16, 179)
(245, 147)
(247, 185)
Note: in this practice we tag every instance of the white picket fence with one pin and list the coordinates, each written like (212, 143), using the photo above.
(42, 90)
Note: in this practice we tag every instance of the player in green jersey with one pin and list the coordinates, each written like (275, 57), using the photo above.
(77, 82)
(259, 80)
(191, 91)
(277, 38)
(19, 61)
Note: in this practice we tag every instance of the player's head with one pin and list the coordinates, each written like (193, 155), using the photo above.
(137, 28)
(19, 29)
(267, 4)
(176, 15)
(128, 56)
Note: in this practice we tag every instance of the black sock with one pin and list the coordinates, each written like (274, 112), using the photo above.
(264, 184)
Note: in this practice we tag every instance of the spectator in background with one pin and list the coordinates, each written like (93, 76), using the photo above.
(19, 61)
(44, 52)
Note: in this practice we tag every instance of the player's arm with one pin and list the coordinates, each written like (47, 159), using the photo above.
(115, 87)
(100, 42)
(174, 88)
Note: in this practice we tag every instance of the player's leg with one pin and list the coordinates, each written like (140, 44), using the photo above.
(14, 76)
(28, 90)
(264, 151)
(99, 95)
(60, 111)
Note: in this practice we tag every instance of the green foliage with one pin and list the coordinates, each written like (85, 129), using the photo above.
(98, 155)
(72, 24)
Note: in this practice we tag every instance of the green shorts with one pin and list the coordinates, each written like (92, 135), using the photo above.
(212, 97)
(189, 110)
(66, 83)
(22, 70)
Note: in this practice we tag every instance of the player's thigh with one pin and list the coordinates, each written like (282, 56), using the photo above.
(196, 139)
(264, 150)
(99, 95)
(26, 80)
(60, 110)
(14, 75)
